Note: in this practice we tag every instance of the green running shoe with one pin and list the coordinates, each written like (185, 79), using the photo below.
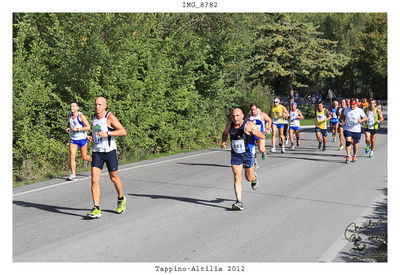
(367, 150)
(371, 154)
(256, 166)
(121, 205)
(95, 213)
(264, 156)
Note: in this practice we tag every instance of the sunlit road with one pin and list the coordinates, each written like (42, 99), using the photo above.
(179, 209)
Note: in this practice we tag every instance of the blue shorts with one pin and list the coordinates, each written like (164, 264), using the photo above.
(279, 125)
(323, 131)
(246, 159)
(295, 128)
(355, 136)
(333, 122)
(79, 142)
(110, 158)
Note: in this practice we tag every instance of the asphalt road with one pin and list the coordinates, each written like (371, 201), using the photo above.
(179, 209)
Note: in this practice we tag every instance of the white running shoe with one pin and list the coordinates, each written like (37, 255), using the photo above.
(273, 150)
(71, 177)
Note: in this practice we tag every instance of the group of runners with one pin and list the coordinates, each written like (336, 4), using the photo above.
(247, 132)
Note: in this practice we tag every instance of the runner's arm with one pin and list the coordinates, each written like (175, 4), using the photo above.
(85, 122)
(225, 135)
(251, 128)
(380, 116)
(119, 129)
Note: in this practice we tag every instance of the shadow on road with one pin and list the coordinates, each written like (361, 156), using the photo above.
(204, 164)
(212, 203)
(56, 209)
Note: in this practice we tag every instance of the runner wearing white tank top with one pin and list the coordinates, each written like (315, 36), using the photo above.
(294, 126)
(78, 126)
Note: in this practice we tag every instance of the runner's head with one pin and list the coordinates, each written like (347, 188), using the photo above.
(100, 105)
(237, 116)
(276, 101)
(294, 106)
(320, 105)
(353, 103)
(335, 104)
(372, 104)
(343, 103)
(74, 107)
(254, 108)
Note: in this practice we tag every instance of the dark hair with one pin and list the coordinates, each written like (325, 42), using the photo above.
(254, 104)
(75, 103)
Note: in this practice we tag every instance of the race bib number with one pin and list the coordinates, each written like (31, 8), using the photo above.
(320, 117)
(238, 146)
(371, 122)
(276, 120)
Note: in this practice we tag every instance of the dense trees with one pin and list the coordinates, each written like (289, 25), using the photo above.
(172, 78)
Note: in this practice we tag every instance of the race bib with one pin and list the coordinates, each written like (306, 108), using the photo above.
(238, 146)
(320, 117)
(276, 120)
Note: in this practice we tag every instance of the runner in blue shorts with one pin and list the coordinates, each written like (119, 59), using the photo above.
(78, 126)
(334, 122)
(352, 117)
(242, 134)
(294, 128)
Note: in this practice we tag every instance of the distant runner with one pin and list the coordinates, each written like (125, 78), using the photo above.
(341, 133)
(259, 119)
(242, 134)
(294, 127)
(278, 113)
(375, 118)
(352, 117)
(334, 122)
(78, 126)
(322, 115)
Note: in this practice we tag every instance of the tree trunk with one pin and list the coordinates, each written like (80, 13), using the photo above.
(291, 91)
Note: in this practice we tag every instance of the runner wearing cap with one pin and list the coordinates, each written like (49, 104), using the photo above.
(295, 116)
(278, 113)
(352, 117)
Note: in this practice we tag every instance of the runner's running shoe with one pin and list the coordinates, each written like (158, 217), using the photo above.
(341, 147)
(273, 150)
(238, 205)
(319, 144)
(367, 150)
(264, 156)
(254, 183)
(95, 213)
(283, 149)
(121, 205)
(354, 159)
(71, 177)
(256, 166)
(348, 159)
(371, 154)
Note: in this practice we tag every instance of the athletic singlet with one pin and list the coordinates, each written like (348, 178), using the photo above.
(321, 123)
(241, 143)
(277, 114)
(334, 118)
(258, 121)
(78, 124)
(294, 119)
(372, 121)
(102, 144)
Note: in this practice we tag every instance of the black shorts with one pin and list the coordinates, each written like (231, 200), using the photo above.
(371, 131)
(110, 158)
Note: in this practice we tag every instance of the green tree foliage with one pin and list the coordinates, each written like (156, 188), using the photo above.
(171, 79)
(292, 50)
